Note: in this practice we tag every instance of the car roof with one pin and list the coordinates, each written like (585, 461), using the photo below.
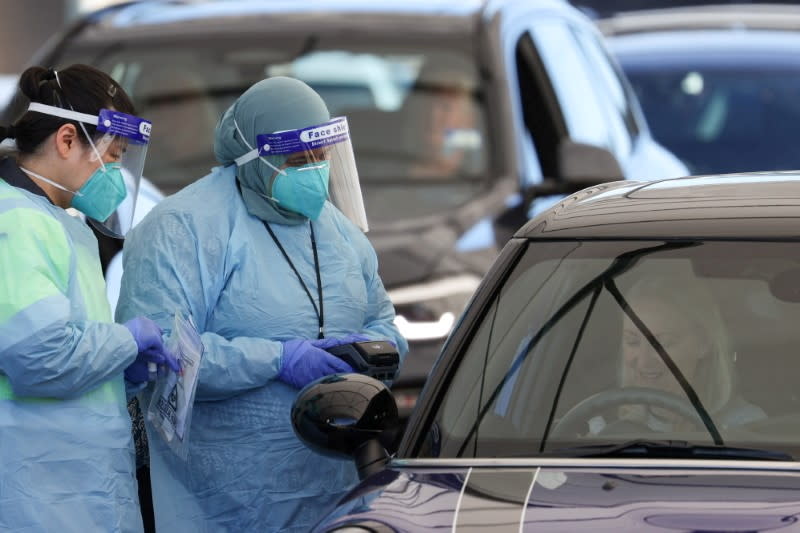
(762, 205)
(170, 11)
(738, 47)
(168, 14)
(733, 16)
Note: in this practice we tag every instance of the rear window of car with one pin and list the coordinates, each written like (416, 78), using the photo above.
(415, 110)
(723, 119)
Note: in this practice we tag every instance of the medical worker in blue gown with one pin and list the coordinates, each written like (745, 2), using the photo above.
(272, 273)
(66, 452)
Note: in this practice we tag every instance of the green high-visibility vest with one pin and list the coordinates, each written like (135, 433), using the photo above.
(75, 271)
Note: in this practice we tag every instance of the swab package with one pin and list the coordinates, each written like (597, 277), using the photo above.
(170, 410)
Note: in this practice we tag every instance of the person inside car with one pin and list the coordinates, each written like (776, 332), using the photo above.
(442, 103)
(683, 318)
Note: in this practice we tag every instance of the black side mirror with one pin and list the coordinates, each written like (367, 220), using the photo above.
(580, 165)
(347, 416)
(586, 164)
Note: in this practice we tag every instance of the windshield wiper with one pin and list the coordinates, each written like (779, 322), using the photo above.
(669, 449)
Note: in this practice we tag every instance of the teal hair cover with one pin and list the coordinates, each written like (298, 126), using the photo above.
(273, 104)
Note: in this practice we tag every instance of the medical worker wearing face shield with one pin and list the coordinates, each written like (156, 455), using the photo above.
(66, 453)
(272, 273)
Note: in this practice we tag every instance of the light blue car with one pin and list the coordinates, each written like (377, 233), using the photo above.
(466, 116)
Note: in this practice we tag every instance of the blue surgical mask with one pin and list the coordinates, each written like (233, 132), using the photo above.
(303, 189)
(102, 193)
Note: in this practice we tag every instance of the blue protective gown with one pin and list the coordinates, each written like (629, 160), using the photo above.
(66, 452)
(200, 252)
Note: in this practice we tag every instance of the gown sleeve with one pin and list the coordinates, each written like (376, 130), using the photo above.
(169, 268)
(44, 350)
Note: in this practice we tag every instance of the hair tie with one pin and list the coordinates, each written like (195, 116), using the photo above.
(58, 81)
(49, 75)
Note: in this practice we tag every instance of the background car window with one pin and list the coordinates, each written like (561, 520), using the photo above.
(557, 333)
(720, 120)
(544, 121)
(572, 82)
(416, 113)
(621, 120)
(350, 80)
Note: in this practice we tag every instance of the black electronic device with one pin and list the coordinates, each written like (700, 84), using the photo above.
(376, 359)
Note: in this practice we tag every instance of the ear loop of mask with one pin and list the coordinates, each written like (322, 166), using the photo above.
(94, 148)
(51, 182)
(250, 156)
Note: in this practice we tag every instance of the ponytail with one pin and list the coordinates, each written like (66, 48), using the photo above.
(8, 132)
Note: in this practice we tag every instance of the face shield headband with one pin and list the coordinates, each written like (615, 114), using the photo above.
(109, 122)
(318, 163)
(111, 206)
(252, 155)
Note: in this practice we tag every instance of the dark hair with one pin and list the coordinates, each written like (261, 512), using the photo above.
(78, 87)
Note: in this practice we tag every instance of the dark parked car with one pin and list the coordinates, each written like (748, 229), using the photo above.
(607, 8)
(629, 363)
(719, 85)
(462, 113)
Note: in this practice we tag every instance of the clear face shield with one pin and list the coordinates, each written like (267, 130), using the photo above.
(318, 162)
(108, 197)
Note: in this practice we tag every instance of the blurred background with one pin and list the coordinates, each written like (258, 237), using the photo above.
(459, 140)
(24, 26)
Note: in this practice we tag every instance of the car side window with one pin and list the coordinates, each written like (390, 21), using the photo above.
(573, 83)
(509, 365)
(543, 119)
(610, 77)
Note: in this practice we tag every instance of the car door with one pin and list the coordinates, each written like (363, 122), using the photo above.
(535, 115)
(555, 101)
(570, 89)
(639, 154)
(588, 113)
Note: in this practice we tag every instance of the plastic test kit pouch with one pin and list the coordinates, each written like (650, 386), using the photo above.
(170, 410)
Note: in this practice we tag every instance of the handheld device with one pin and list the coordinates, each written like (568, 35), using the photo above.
(376, 359)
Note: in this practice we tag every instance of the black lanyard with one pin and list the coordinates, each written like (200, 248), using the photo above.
(319, 311)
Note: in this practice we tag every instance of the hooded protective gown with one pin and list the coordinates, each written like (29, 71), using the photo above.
(201, 251)
(66, 453)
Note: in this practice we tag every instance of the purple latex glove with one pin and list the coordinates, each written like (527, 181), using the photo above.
(151, 349)
(302, 363)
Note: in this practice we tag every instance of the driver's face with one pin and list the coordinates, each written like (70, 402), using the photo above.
(682, 340)
(450, 110)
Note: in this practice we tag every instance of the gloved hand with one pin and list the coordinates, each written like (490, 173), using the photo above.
(302, 363)
(151, 348)
(330, 342)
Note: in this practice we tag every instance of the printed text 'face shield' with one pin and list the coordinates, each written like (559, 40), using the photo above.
(108, 198)
(323, 148)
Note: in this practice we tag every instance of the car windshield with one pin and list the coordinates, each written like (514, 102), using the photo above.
(720, 120)
(414, 109)
(604, 343)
